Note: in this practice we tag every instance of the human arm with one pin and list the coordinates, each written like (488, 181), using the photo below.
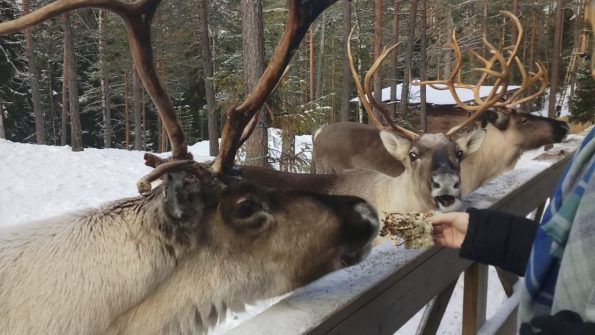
(487, 236)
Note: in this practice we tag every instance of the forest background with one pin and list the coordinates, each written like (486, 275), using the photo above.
(70, 80)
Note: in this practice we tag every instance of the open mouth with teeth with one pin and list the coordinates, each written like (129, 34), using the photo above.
(445, 200)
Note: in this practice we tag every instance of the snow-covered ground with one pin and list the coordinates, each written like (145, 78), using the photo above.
(38, 181)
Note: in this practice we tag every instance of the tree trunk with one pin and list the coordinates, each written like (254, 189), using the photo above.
(76, 135)
(447, 62)
(377, 51)
(287, 148)
(423, 68)
(126, 119)
(105, 90)
(253, 46)
(65, 102)
(515, 11)
(52, 107)
(2, 133)
(555, 70)
(136, 92)
(484, 25)
(311, 63)
(346, 87)
(207, 65)
(34, 81)
(395, 58)
(408, 57)
(319, 66)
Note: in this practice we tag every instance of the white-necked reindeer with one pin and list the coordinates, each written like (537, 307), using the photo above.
(174, 259)
(349, 145)
(431, 162)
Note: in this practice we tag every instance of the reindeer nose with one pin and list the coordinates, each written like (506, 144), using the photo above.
(359, 220)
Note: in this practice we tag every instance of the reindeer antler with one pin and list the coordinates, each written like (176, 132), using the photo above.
(137, 16)
(241, 119)
(367, 98)
(500, 86)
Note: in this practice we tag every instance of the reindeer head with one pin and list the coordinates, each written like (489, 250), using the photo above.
(280, 238)
(432, 161)
(525, 130)
(211, 216)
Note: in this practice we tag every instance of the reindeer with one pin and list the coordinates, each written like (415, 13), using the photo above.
(509, 133)
(205, 240)
(431, 161)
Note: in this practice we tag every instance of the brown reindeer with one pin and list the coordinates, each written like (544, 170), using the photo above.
(173, 260)
(431, 161)
(348, 145)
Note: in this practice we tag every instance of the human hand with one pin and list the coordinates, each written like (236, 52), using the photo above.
(449, 229)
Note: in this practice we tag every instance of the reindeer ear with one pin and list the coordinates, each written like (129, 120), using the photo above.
(396, 146)
(498, 118)
(182, 196)
(470, 143)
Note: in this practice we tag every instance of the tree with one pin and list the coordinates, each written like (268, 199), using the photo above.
(76, 136)
(105, 81)
(34, 80)
(2, 132)
(556, 51)
(346, 87)
(207, 65)
(582, 103)
(395, 56)
(253, 43)
(137, 92)
(15, 107)
(378, 12)
(408, 57)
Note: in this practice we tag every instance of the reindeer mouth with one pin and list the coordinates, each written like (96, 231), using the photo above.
(356, 256)
(445, 200)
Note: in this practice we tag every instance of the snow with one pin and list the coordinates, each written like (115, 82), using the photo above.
(438, 96)
(39, 181)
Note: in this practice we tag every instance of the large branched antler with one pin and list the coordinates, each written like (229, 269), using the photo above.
(367, 98)
(242, 119)
(500, 86)
(137, 16)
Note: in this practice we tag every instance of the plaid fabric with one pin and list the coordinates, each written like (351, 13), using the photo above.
(561, 273)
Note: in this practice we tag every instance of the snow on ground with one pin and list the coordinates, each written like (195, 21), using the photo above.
(39, 181)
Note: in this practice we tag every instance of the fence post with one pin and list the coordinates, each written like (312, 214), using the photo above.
(475, 298)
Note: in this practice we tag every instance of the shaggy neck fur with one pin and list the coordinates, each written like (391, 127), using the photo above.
(206, 284)
(86, 268)
(490, 160)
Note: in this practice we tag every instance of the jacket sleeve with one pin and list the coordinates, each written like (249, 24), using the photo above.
(498, 238)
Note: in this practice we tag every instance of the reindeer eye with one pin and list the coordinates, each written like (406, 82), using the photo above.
(523, 120)
(246, 209)
(413, 156)
(460, 154)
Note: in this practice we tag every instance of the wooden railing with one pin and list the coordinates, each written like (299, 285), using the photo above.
(379, 295)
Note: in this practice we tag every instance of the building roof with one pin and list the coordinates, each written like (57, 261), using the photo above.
(435, 96)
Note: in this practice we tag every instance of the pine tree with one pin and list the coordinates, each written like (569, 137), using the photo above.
(582, 103)
(16, 111)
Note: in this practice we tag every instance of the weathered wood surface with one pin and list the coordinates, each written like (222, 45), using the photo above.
(379, 295)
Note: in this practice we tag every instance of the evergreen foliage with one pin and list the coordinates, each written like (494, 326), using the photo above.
(177, 46)
(582, 103)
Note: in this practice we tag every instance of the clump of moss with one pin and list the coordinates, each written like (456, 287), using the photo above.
(411, 229)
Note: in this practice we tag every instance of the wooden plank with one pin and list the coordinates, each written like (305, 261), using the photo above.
(510, 325)
(475, 298)
(409, 279)
(435, 311)
(408, 292)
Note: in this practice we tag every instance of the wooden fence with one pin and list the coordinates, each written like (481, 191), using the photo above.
(379, 295)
